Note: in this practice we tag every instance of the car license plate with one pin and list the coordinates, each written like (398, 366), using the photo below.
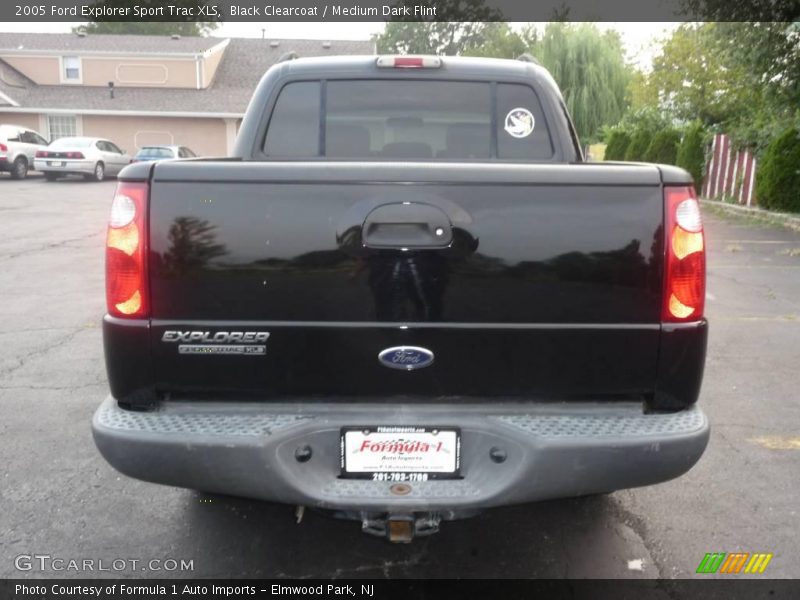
(400, 453)
(51, 163)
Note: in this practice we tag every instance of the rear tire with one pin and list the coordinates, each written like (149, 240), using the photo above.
(19, 170)
(50, 176)
(99, 173)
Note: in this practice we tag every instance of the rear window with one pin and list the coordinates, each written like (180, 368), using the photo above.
(71, 143)
(408, 120)
(155, 152)
(294, 127)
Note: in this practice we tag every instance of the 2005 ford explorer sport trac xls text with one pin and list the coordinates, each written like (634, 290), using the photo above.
(405, 298)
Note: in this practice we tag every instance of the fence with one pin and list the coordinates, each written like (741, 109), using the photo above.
(730, 173)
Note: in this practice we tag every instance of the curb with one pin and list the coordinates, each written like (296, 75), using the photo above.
(788, 220)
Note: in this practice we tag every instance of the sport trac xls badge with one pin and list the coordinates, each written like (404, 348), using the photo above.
(241, 343)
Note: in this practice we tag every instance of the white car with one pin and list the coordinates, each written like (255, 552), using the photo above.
(94, 158)
(18, 147)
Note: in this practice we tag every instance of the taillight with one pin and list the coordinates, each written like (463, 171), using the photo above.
(409, 62)
(126, 252)
(685, 276)
(74, 155)
(41, 154)
(3, 148)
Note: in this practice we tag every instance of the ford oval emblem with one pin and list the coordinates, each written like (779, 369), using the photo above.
(406, 358)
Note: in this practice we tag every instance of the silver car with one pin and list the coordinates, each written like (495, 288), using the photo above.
(94, 158)
(155, 153)
(18, 147)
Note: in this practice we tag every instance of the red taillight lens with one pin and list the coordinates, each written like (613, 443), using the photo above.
(126, 252)
(41, 154)
(409, 62)
(685, 266)
(3, 148)
(74, 154)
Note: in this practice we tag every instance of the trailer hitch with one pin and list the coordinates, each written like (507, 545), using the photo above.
(401, 528)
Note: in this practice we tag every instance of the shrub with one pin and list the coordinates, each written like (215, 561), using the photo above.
(663, 149)
(648, 118)
(640, 141)
(618, 143)
(691, 153)
(778, 175)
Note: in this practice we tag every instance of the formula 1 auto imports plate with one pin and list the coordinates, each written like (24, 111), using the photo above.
(400, 453)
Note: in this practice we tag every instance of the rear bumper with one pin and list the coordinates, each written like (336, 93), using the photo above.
(84, 167)
(552, 451)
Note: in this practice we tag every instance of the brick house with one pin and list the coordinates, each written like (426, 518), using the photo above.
(191, 91)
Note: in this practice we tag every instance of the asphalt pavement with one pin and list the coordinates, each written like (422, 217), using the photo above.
(60, 499)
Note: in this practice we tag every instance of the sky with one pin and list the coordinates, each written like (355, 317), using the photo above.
(640, 39)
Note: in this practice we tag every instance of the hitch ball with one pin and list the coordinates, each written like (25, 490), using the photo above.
(303, 453)
(498, 455)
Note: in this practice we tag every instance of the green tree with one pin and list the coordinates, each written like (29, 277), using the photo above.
(641, 93)
(192, 245)
(762, 37)
(640, 142)
(738, 72)
(768, 54)
(464, 25)
(187, 26)
(185, 29)
(743, 78)
(642, 125)
(778, 176)
(589, 67)
(617, 143)
(691, 152)
(694, 79)
(664, 147)
(500, 41)
(649, 118)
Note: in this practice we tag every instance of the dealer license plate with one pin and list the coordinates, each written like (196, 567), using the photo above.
(406, 453)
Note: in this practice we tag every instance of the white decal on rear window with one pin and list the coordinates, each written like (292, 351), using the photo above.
(519, 122)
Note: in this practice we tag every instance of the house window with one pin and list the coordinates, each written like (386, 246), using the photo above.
(72, 68)
(62, 126)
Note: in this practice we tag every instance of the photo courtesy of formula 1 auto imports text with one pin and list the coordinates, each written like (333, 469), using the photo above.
(420, 299)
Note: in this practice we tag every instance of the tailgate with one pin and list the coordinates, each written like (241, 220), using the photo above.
(538, 281)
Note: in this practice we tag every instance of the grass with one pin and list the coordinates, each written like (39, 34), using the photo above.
(743, 218)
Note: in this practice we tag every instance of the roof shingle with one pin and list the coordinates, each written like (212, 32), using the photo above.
(106, 43)
(244, 62)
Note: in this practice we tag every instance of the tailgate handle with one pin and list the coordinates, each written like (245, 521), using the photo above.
(407, 225)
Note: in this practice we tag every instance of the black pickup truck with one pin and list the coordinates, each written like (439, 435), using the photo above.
(405, 298)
